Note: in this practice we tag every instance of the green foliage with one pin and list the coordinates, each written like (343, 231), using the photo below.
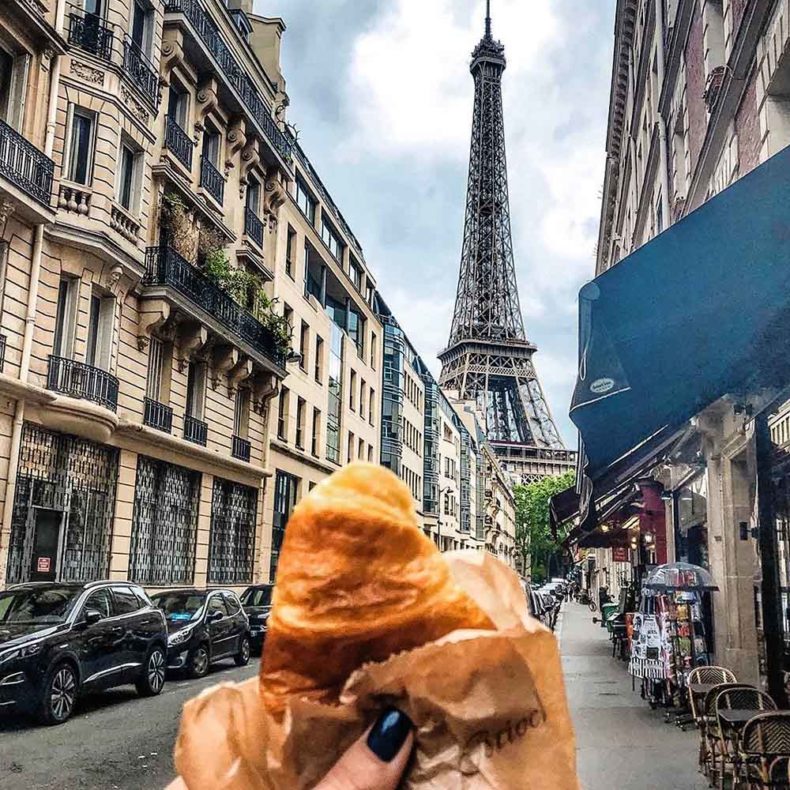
(533, 529)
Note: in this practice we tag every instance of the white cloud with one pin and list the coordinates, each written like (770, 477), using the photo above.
(409, 72)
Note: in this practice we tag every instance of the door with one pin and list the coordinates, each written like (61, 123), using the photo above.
(100, 644)
(46, 543)
(221, 629)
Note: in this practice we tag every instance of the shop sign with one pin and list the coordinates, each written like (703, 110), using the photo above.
(619, 554)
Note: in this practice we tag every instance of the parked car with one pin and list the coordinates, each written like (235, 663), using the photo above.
(257, 603)
(204, 626)
(58, 640)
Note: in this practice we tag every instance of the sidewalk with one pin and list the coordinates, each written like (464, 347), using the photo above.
(621, 744)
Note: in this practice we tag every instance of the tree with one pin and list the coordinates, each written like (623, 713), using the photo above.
(534, 541)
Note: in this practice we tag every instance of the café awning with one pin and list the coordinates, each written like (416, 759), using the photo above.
(701, 311)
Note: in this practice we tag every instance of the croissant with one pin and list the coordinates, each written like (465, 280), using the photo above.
(357, 581)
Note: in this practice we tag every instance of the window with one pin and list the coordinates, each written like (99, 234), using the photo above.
(241, 414)
(356, 330)
(6, 79)
(350, 453)
(196, 388)
(100, 601)
(305, 201)
(156, 384)
(362, 398)
(370, 453)
(304, 345)
(177, 103)
(373, 349)
(335, 397)
(355, 273)
(285, 493)
(100, 326)
(254, 196)
(331, 239)
(360, 450)
(282, 415)
(300, 417)
(63, 343)
(14, 69)
(124, 601)
(211, 145)
(216, 604)
(290, 252)
(369, 294)
(352, 391)
(371, 405)
(128, 187)
(81, 147)
(319, 359)
(316, 438)
(140, 27)
(288, 315)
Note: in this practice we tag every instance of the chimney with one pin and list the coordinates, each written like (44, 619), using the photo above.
(240, 5)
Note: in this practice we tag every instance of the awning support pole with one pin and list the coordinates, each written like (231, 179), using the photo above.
(771, 590)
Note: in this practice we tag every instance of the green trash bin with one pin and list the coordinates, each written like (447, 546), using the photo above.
(608, 612)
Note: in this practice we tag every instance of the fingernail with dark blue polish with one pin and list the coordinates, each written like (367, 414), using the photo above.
(389, 733)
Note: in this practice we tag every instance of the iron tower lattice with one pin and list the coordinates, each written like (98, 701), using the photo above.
(488, 358)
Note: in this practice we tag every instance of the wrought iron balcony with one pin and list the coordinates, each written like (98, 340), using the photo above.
(78, 380)
(178, 142)
(139, 69)
(89, 33)
(211, 180)
(240, 448)
(253, 226)
(164, 266)
(24, 165)
(195, 430)
(157, 415)
(229, 69)
(2, 351)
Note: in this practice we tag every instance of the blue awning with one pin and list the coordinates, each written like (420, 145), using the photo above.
(701, 311)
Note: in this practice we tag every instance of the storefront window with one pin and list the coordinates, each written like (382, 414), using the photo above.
(691, 529)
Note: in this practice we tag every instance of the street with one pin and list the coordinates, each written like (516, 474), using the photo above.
(620, 742)
(115, 739)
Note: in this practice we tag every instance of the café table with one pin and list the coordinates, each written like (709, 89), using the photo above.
(733, 721)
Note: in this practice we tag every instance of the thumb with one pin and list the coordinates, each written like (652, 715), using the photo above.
(378, 759)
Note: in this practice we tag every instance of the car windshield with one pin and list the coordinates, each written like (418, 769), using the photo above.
(180, 605)
(257, 596)
(40, 605)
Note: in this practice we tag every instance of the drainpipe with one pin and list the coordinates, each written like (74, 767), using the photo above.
(662, 125)
(32, 301)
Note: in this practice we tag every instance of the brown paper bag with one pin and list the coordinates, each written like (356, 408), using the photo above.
(489, 707)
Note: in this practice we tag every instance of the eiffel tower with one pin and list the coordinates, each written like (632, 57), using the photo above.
(488, 358)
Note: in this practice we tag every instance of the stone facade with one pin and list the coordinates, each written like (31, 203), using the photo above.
(699, 98)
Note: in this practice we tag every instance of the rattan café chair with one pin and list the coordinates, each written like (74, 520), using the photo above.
(739, 698)
(710, 747)
(705, 675)
(764, 748)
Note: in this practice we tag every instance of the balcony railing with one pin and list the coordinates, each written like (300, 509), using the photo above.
(78, 380)
(139, 69)
(164, 266)
(2, 351)
(24, 165)
(209, 34)
(211, 180)
(178, 142)
(157, 415)
(89, 33)
(253, 226)
(195, 430)
(240, 448)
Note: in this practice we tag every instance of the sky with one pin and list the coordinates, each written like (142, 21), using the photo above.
(382, 96)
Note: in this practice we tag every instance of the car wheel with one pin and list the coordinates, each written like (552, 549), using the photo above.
(242, 658)
(152, 679)
(59, 694)
(199, 662)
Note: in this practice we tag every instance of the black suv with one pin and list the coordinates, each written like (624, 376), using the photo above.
(257, 603)
(204, 626)
(59, 639)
